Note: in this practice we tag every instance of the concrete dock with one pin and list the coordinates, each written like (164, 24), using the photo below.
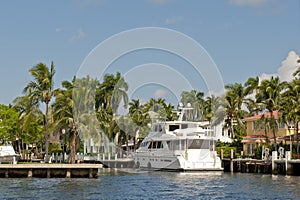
(275, 165)
(43, 170)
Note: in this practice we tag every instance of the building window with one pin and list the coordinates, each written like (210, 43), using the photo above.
(256, 125)
(248, 149)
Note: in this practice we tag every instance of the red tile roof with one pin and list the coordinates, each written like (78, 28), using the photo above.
(254, 137)
(257, 117)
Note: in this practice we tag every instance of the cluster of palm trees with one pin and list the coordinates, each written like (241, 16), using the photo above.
(86, 107)
(269, 95)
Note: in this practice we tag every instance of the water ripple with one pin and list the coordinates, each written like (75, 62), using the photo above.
(155, 185)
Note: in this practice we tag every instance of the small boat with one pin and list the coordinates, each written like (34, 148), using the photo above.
(179, 145)
(8, 154)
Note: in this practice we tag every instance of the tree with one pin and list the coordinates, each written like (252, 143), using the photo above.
(289, 107)
(269, 96)
(30, 121)
(109, 95)
(250, 89)
(74, 111)
(40, 90)
(137, 116)
(111, 92)
(8, 124)
(195, 99)
(234, 99)
(156, 109)
(213, 110)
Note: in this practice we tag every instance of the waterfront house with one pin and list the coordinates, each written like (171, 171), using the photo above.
(259, 133)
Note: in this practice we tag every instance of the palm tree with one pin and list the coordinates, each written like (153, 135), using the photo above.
(109, 95)
(269, 95)
(74, 111)
(30, 120)
(195, 99)
(213, 110)
(156, 109)
(111, 92)
(41, 90)
(137, 116)
(234, 99)
(289, 107)
(297, 72)
(251, 85)
(170, 114)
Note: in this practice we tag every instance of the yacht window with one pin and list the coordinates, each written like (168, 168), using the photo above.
(144, 144)
(183, 126)
(173, 127)
(154, 145)
(169, 144)
(174, 144)
(159, 145)
(198, 144)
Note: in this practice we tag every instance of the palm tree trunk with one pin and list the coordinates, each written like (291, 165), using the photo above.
(231, 128)
(273, 130)
(266, 135)
(297, 138)
(46, 130)
(127, 149)
(73, 148)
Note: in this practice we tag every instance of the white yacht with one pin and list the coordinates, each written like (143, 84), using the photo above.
(179, 145)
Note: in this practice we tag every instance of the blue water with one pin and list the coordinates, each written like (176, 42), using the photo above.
(155, 185)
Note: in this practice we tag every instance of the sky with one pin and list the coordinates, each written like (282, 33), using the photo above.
(243, 38)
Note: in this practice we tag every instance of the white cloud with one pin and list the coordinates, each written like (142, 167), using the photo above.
(287, 68)
(252, 3)
(160, 93)
(80, 35)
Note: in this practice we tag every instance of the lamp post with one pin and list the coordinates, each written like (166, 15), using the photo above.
(63, 131)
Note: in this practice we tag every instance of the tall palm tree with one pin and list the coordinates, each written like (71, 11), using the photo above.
(137, 116)
(289, 107)
(269, 96)
(41, 90)
(155, 108)
(109, 95)
(74, 111)
(195, 99)
(213, 110)
(30, 120)
(111, 92)
(251, 85)
(170, 114)
(234, 99)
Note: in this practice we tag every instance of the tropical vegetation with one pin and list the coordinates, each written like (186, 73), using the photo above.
(84, 107)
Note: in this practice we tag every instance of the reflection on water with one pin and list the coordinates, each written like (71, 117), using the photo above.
(113, 184)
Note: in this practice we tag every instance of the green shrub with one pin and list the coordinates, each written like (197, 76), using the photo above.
(55, 148)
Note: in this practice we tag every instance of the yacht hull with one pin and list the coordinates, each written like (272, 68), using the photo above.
(177, 163)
